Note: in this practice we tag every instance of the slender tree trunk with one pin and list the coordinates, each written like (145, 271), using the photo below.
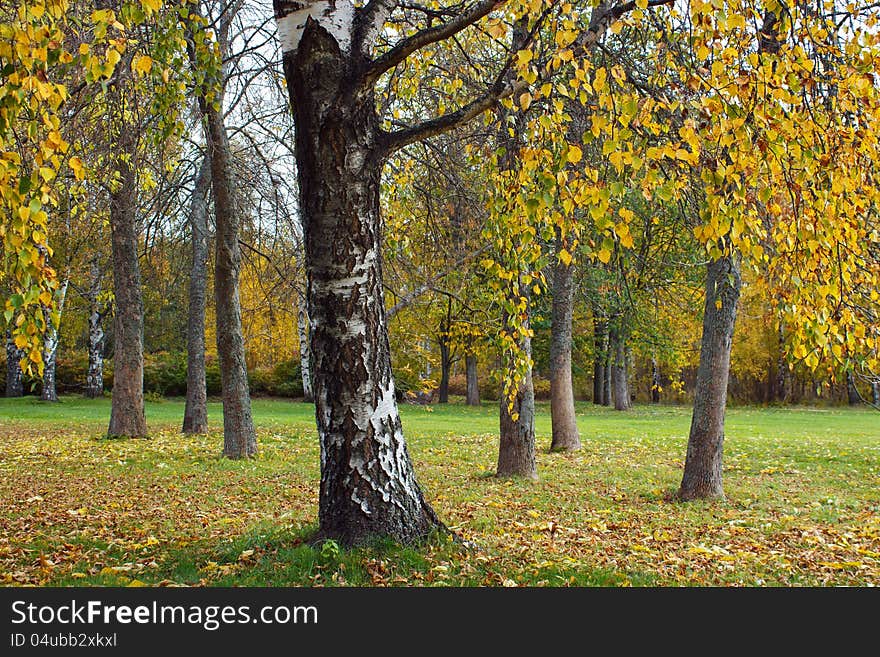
(473, 384)
(95, 376)
(195, 414)
(50, 345)
(852, 392)
(305, 354)
(516, 450)
(239, 437)
(875, 393)
(445, 365)
(619, 380)
(702, 470)
(14, 384)
(563, 419)
(607, 397)
(655, 381)
(368, 486)
(127, 416)
(600, 335)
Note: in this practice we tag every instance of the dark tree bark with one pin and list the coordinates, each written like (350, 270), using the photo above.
(702, 470)
(50, 346)
(783, 374)
(239, 437)
(368, 486)
(875, 394)
(600, 338)
(14, 384)
(516, 449)
(195, 414)
(95, 375)
(619, 381)
(445, 353)
(127, 417)
(607, 397)
(445, 366)
(853, 397)
(473, 385)
(564, 421)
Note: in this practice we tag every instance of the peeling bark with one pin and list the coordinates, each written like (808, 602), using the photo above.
(95, 375)
(305, 354)
(702, 470)
(368, 486)
(50, 345)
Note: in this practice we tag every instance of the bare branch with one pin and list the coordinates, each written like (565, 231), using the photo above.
(409, 45)
(394, 141)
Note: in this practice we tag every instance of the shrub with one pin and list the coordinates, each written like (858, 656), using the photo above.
(458, 385)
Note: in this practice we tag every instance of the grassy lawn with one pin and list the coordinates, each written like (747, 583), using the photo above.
(803, 503)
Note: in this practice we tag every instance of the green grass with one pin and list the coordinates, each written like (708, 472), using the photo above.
(803, 503)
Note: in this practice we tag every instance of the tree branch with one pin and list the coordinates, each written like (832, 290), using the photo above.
(394, 141)
(431, 283)
(422, 38)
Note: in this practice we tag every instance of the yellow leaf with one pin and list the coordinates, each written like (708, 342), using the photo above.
(76, 166)
(142, 65)
(604, 255)
(525, 100)
(565, 257)
(523, 57)
(574, 154)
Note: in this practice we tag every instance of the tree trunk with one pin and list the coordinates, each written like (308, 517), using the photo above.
(853, 397)
(516, 450)
(305, 354)
(875, 393)
(443, 392)
(239, 437)
(473, 384)
(702, 469)
(618, 371)
(655, 381)
(368, 486)
(14, 384)
(95, 375)
(50, 346)
(563, 420)
(127, 416)
(607, 398)
(600, 336)
(195, 414)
